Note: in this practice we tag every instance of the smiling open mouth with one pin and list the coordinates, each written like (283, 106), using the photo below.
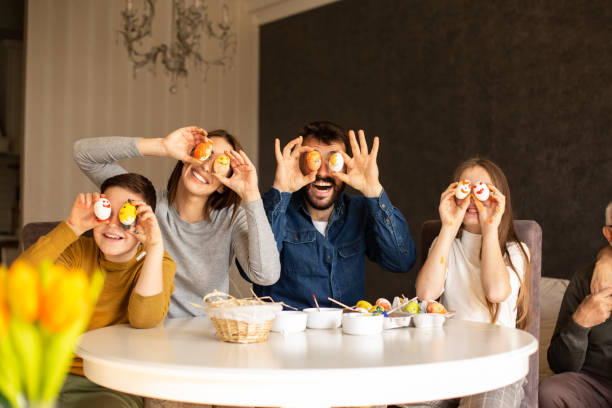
(199, 177)
(112, 236)
(322, 185)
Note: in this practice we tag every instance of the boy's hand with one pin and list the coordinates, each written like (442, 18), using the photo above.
(82, 217)
(147, 229)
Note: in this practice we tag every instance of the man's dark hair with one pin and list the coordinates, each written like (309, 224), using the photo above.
(326, 132)
(135, 183)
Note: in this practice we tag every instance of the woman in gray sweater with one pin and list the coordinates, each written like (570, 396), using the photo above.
(206, 218)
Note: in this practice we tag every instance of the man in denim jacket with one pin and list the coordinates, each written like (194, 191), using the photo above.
(322, 233)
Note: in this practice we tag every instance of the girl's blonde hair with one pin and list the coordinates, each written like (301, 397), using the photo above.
(507, 234)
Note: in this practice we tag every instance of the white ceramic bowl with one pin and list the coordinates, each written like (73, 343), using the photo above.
(289, 321)
(325, 318)
(425, 320)
(362, 324)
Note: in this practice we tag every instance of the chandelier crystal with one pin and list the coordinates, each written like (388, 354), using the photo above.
(189, 22)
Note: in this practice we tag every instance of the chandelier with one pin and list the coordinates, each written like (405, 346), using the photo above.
(188, 25)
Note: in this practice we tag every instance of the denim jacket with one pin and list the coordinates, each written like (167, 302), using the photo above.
(334, 265)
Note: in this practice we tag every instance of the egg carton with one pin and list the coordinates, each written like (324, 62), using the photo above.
(397, 319)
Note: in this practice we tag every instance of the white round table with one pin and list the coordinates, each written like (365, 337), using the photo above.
(183, 360)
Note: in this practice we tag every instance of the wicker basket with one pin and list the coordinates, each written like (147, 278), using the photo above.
(240, 320)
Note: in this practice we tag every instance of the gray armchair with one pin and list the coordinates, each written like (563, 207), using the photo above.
(530, 233)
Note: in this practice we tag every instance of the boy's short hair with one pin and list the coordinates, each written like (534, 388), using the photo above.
(326, 132)
(133, 182)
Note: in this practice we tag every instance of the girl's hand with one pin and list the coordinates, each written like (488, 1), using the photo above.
(181, 142)
(452, 211)
(147, 229)
(82, 217)
(289, 177)
(361, 169)
(244, 178)
(490, 213)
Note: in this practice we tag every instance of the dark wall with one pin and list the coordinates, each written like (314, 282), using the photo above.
(527, 84)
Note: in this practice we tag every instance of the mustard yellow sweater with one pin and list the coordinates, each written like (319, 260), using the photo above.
(118, 303)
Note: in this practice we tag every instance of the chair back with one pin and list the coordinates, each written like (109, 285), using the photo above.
(529, 232)
(34, 230)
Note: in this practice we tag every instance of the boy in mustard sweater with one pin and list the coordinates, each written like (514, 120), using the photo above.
(139, 273)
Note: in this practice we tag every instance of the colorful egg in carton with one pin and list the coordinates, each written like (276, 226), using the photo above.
(127, 214)
(313, 160)
(336, 162)
(481, 191)
(102, 208)
(463, 189)
(203, 151)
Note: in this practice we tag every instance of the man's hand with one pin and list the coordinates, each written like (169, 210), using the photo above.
(602, 274)
(361, 169)
(82, 217)
(289, 177)
(594, 309)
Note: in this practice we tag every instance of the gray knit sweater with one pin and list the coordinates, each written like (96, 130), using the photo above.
(203, 251)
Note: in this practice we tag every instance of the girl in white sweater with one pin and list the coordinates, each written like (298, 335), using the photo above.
(478, 266)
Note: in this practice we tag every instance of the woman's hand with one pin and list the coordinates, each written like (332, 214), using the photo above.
(490, 213)
(289, 177)
(361, 169)
(82, 217)
(244, 178)
(452, 211)
(181, 142)
(147, 229)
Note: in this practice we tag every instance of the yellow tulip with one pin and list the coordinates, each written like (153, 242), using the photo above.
(65, 299)
(24, 291)
(4, 313)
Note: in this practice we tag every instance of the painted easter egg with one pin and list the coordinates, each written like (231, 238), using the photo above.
(127, 214)
(313, 160)
(412, 307)
(375, 310)
(481, 191)
(102, 209)
(336, 162)
(364, 304)
(203, 151)
(436, 307)
(222, 164)
(463, 189)
(384, 303)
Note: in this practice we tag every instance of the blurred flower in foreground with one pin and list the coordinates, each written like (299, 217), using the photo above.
(42, 313)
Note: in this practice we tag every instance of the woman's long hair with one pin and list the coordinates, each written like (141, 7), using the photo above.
(506, 234)
(216, 200)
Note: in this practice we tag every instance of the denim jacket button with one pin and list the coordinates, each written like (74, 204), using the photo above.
(384, 206)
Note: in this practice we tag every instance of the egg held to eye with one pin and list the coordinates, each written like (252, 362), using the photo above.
(222, 164)
(313, 160)
(481, 191)
(127, 214)
(336, 162)
(203, 151)
(463, 189)
(102, 209)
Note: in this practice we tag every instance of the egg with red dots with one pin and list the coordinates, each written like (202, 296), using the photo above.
(481, 191)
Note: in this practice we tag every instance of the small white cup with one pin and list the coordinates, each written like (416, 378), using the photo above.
(425, 320)
(324, 318)
(289, 321)
(361, 324)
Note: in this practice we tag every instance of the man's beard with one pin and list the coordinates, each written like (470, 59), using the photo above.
(332, 200)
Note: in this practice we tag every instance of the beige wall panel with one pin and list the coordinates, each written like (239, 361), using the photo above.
(79, 83)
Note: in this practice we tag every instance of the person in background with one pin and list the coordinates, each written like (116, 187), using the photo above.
(580, 351)
(323, 234)
(206, 218)
(138, 273)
